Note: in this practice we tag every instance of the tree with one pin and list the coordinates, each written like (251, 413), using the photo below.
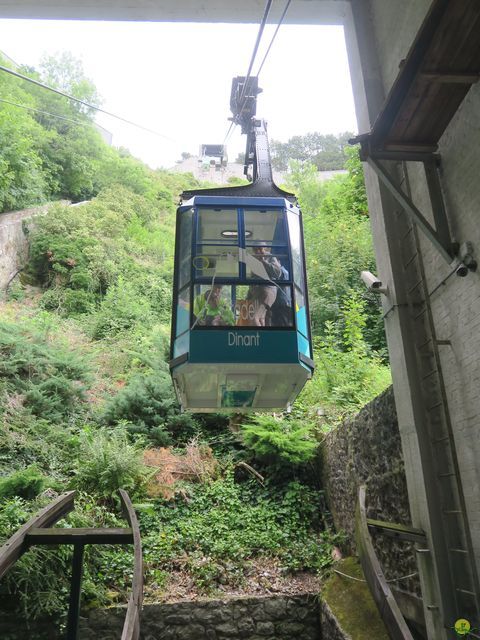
(65, 72)
(326, 152)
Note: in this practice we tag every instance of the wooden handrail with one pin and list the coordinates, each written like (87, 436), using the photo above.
(37, 531)
(131, 627)
(15, 546)
(394, 621)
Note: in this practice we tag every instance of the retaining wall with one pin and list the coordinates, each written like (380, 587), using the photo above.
(367, 450)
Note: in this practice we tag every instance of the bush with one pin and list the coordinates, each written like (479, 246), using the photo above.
(107, 462)
(280, 441)
(121, 309)
(49, 377)
(69, 301)
(148, 406)
(25, 483)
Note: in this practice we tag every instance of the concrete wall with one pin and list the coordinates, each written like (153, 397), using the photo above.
(379, 34)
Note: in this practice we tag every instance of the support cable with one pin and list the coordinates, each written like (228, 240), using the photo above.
(82, 102)
(282, 17)
(47, 113)
(255, 48)
(252, 59)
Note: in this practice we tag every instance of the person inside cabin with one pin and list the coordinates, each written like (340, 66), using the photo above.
(211, 310)
(271, 303)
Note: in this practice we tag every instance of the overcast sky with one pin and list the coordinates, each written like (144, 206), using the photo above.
(176, 78)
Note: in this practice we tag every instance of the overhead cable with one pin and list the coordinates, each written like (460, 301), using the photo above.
(252, 59)
(282, 17)
(46, 113)
(83, 102)
(255, 48)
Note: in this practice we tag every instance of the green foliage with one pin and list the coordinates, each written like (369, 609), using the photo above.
(107, 462)
(225, 525)
(44, 158)
(27, 440)
(348, 372)
(325, 152)
(280, 441)
(25, 483)
(121, 309)
(338, 245)
(147, 406)
(49, 377)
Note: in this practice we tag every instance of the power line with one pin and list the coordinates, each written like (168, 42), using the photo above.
(45, 113)
(282, 17)
(83, 102)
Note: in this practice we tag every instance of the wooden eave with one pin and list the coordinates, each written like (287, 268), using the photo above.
(434, 78)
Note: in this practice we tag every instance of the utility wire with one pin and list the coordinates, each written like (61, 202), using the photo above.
(45, 113)
(85, 104)
(282, 17)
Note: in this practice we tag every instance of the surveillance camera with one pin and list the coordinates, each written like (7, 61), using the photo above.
(461, 270)
(372, 282)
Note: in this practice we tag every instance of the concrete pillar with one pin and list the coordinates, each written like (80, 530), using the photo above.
(369, 96)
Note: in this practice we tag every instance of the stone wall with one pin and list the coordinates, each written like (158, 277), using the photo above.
(14, 243)
(367, 450)
(247, 618)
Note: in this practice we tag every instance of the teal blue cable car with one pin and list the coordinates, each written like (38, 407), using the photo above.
(240, 328)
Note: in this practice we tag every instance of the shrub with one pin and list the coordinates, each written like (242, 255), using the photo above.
(25, 483)
(148, 406)
(49, 377)
(122, 308)
(68, 301)
(220, 526)
(280, 441)
(107, 462)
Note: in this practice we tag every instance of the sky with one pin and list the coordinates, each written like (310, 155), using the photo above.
(176, 78)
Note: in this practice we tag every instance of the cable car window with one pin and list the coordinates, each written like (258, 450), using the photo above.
(181, 345)
(297, 254)
(212, 306)
(213, 223)
(264, 225)
(183, 311)
(185, 247)
(263, 306)
(267, 262)
(301, 311)
(216, 261)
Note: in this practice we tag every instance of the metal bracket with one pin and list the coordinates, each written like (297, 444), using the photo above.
(439, 237)
(398, 531)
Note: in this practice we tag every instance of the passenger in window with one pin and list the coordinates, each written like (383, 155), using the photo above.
(210, 309)
(272, 303)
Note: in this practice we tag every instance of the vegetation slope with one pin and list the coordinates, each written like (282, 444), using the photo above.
(86, 398)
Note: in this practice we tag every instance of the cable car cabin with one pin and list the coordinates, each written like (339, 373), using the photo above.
(240, 330)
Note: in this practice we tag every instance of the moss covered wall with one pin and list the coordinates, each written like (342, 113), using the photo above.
(367, 450)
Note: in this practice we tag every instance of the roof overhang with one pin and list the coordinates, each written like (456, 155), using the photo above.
(247, 11)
